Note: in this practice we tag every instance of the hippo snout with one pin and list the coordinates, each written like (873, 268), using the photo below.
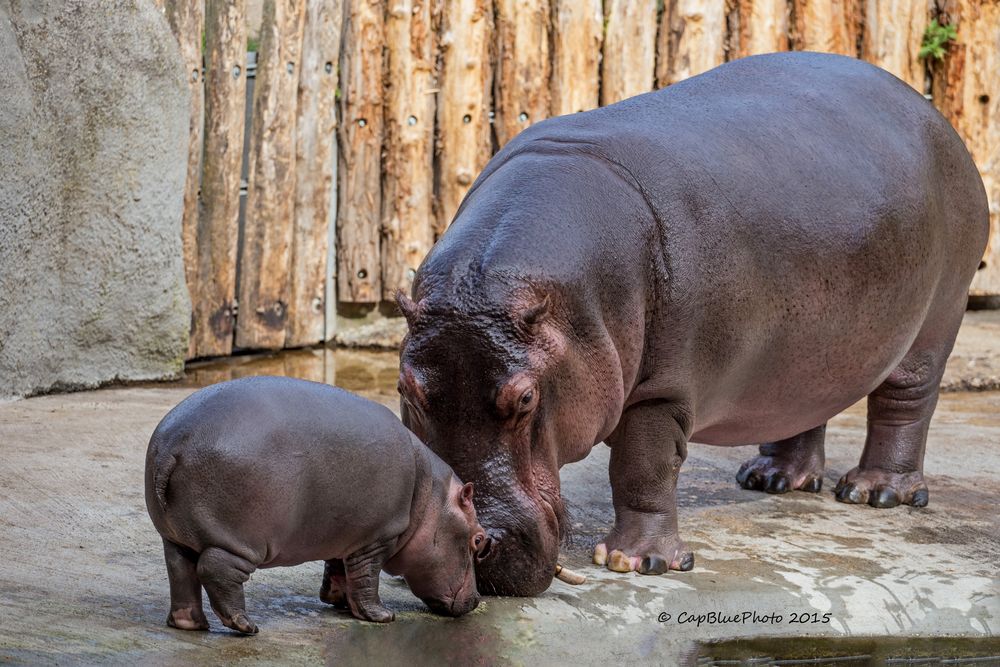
(454, 606)
(515, 564)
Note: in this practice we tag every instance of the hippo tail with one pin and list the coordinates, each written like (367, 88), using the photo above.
(162, 469)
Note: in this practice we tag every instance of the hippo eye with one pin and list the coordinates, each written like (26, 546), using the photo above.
(516, 397)
(479, 541)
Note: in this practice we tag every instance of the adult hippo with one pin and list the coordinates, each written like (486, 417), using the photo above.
(734, 259)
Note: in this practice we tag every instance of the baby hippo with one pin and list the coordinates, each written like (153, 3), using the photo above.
(268, 471)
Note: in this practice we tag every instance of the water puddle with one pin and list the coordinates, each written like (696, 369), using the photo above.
(362, 371)
(850, 651)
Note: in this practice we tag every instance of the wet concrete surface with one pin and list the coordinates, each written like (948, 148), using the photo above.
(82, 579)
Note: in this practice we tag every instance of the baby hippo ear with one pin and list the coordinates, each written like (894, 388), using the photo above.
(465, 496)
(535, 313)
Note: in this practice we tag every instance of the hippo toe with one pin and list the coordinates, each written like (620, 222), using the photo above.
(649, 558)
(881, 488)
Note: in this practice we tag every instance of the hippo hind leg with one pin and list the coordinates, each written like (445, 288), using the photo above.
(899, 413)
(223, 574)
(793, 463)
(186, 612)
(334, 588)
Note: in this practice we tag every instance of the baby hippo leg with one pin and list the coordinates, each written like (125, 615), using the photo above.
(223, 575)
(362, 568)
(185, 588)
(334, 588)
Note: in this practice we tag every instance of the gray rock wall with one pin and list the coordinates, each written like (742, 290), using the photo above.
(93, 142)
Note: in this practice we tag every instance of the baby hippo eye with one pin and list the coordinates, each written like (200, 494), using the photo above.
(526, 398)
(481, 546)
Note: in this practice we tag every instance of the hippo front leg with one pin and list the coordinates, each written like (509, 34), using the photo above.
(362, 569)
(647, 450)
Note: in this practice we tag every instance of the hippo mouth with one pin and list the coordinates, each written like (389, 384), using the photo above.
(454, 603)
(523, 553)
(452, 606)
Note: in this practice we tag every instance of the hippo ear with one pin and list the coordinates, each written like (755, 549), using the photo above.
(465, 496)
(407, 306)
(534, 314)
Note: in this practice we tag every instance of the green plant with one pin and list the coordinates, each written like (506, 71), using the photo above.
(936, 38)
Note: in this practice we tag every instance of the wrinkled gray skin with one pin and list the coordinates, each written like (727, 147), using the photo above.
(267, 471)
(734, 259)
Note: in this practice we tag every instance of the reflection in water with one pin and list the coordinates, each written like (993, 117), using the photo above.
(860, 651)
(434, 641)
(367, 371)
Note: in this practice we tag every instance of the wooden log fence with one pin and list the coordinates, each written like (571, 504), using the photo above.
(371, 119)
(315, 152)
(360, 134)
(408, 168)
(264, 256)
(215, 223)
(966, 88)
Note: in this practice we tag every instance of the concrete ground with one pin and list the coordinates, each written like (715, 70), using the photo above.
(82, 579)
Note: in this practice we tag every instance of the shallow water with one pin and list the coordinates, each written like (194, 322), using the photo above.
(362, 371)
(850, 651)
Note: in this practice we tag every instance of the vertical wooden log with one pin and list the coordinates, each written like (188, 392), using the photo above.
(408, 174)
(832, 26)
(966, 88)
(757, 26)
(577, 35)
(893, 32)
(523, 64)
(315, 130)
(267, 230)
(464, 143)
(628, 65)
(214, 297)
(360, 146)
(692, 39)
(187, 20)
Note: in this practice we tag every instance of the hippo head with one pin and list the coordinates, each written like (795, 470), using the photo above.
(438, 560)
(478, 383)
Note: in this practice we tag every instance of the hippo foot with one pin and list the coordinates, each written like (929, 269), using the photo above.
(375, 613)
(881, 488)
(644, 556)
(780, 474)
(240, 622)
(189, 618)
(335, 598)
